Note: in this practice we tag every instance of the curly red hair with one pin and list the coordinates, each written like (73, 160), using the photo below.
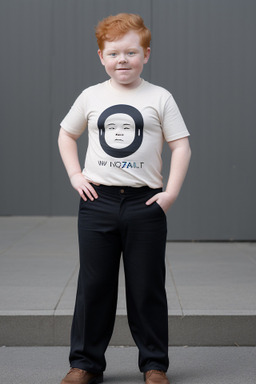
(114, 27)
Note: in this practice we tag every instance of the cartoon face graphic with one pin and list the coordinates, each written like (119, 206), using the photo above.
(120, 130)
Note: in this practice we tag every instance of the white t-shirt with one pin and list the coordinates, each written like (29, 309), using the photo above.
(126, 130)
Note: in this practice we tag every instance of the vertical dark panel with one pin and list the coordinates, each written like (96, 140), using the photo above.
(203, 51)
(25, 153)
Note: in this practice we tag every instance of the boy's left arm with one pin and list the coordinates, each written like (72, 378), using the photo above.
(180, 159)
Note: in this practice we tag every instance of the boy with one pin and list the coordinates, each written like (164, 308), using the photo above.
(122, 206)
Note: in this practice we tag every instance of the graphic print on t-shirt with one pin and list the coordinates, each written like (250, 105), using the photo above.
(120, 130)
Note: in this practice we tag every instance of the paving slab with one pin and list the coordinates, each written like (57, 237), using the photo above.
(211, 287)
(214, 276)
(216, 365)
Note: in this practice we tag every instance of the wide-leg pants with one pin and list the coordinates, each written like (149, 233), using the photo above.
(119, 222)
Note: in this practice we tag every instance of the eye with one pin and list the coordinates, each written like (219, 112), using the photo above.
(111, 126)
(131, 53)
(112, 54)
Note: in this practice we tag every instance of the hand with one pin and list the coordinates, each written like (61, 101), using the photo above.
(83, 187)
(164, 199)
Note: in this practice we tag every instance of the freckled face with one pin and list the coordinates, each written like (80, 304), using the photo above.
(124, 59)
(119, 130)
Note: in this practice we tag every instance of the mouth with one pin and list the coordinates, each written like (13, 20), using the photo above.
(123, 69)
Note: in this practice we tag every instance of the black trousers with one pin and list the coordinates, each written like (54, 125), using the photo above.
(119, 222)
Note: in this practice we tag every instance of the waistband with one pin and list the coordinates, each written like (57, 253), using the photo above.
(124, 190)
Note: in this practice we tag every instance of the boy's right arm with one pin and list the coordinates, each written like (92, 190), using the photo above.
(68, 150)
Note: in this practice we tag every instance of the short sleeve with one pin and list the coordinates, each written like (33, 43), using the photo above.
(173, 124)
(75, 121)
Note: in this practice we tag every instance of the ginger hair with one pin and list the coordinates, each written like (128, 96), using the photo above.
(114, 27)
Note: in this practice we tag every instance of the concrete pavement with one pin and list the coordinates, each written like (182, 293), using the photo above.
(211, 288)
(192, 365)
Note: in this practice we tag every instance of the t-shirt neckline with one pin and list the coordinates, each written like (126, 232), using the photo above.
(108, 82)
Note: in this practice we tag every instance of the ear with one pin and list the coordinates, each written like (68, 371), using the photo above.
(146, 55)
(100, 53)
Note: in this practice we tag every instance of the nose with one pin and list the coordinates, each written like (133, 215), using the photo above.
(122, 59)
(119, 131)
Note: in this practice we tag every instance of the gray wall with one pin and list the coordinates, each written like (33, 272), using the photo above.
(202, 51)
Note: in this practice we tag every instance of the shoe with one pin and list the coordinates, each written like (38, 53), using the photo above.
(79, 376)
(155, 377)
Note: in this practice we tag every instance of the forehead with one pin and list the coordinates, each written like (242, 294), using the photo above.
(119, 118)
(130, 39)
